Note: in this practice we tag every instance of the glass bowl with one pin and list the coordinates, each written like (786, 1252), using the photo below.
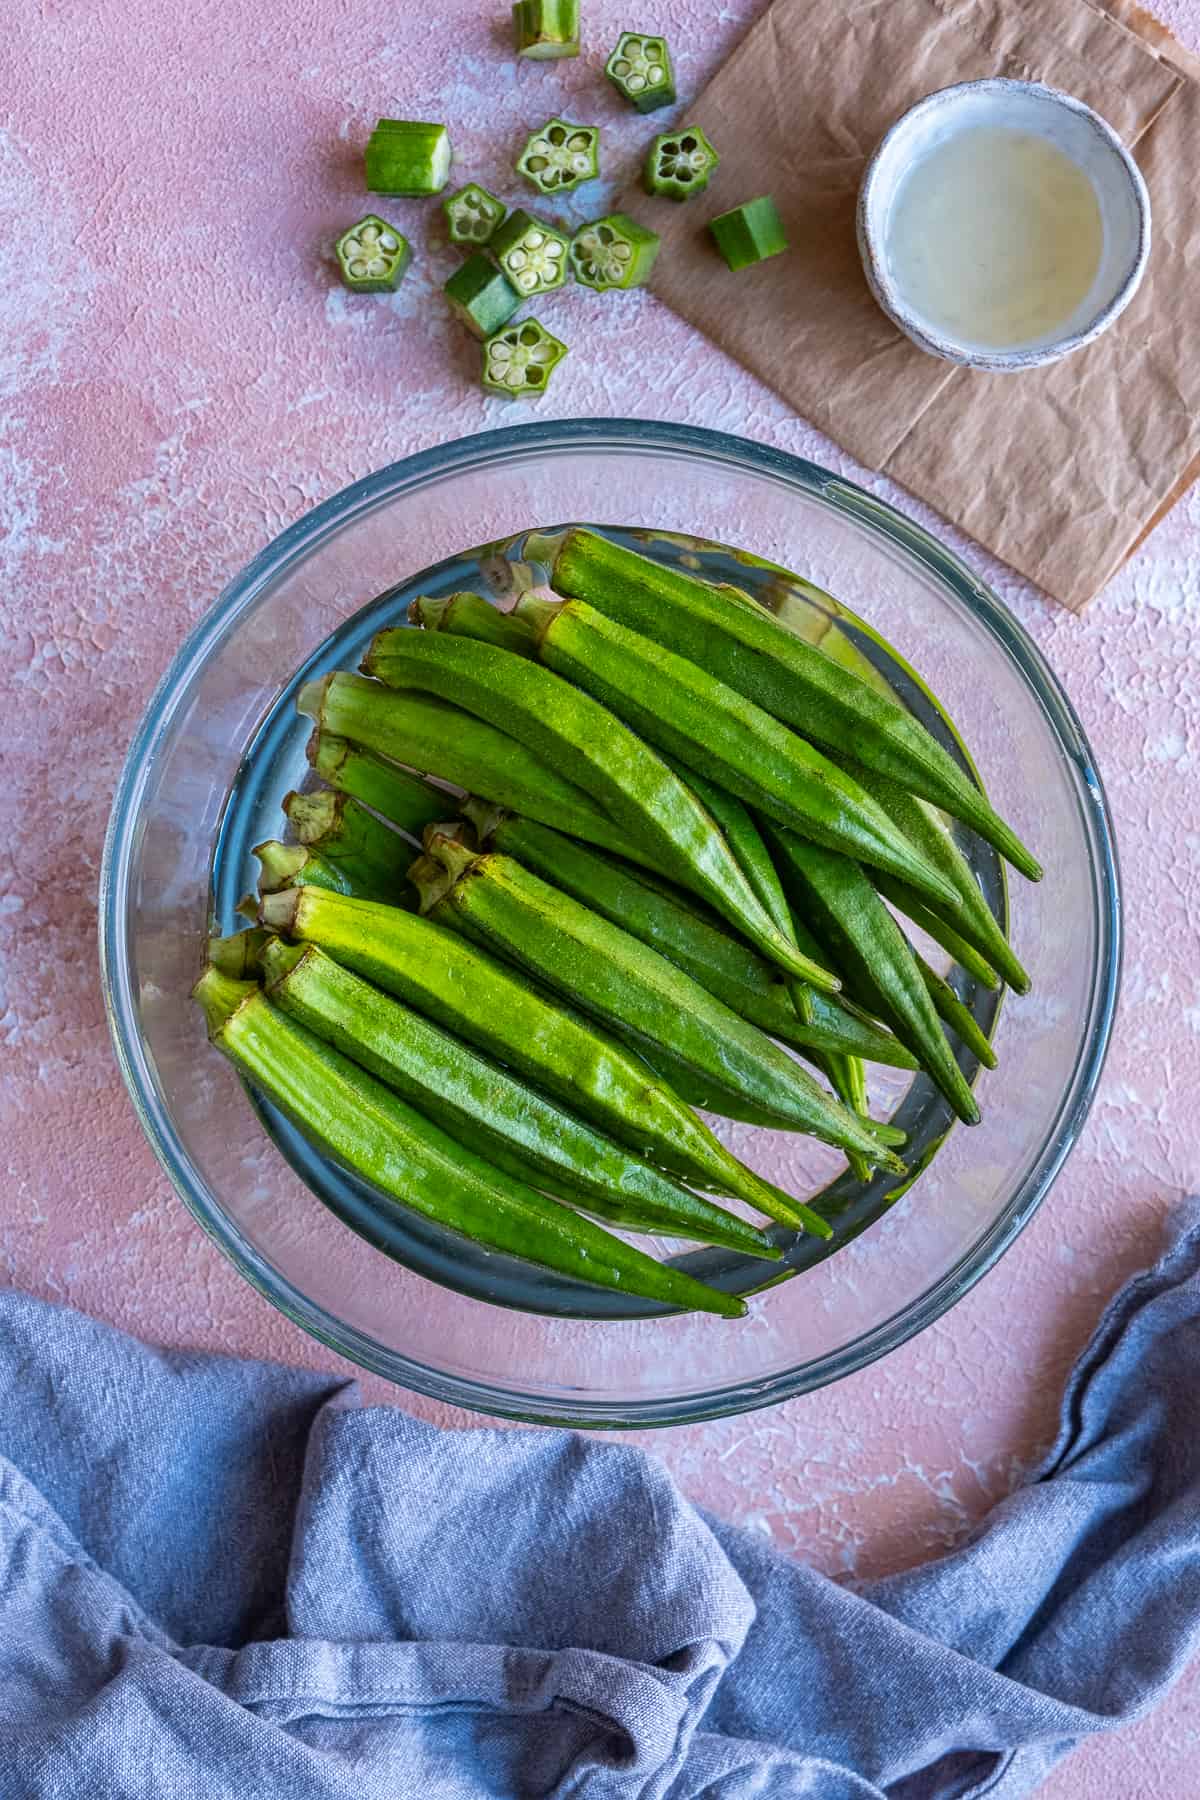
(219, 746)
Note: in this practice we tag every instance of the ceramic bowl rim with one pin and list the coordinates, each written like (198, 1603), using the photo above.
(918, 329)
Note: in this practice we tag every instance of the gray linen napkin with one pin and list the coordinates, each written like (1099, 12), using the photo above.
(224, 1578)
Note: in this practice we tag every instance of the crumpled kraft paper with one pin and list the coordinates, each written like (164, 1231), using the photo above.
(1060, 471)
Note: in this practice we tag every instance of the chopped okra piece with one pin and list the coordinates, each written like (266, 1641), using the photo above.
(481, 295)
(518, 361)
(472, 214)
(546, 28)
(615, 252)
(532, 254)
(749, 233)
(372, 256)
(560, 156)
(679, 163)
(407, 156)
(640, 69)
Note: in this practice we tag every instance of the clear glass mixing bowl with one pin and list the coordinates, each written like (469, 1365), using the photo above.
(220, 725)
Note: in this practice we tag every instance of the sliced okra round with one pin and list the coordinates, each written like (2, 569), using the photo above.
(546, 28)
(679, 164)
(613, 252)
(532, 253)
(640, 69)
(518, 361)
(749, 233)
(481, 295)
(372, 255)
(560, 156)
(472, 214)
(408, 156)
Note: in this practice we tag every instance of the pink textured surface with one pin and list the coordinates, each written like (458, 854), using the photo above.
(181, 376)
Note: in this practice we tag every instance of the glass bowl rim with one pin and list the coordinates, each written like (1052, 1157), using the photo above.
(864, 509)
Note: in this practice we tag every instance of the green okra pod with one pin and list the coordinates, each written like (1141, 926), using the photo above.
(405, 800)
(293, 865)
(477, 998)
(743, 646)
(367, 1127)
(597, 751)
(408, 156)
(543, 29)
(968, 914)
(635, 992)
(442, 739)
(696, 941)
(745, 840)
(488, 1109)
(343, 831)
(835, 897)
(913, 907)
(955, 1013)
(236, 955)
(698, 720)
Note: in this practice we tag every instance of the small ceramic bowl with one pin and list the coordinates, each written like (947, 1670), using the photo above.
(1074, 129)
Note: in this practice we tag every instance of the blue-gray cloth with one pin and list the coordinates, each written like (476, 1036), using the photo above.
(224, 1579)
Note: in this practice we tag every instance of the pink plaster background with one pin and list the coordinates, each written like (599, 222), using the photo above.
(180, 377)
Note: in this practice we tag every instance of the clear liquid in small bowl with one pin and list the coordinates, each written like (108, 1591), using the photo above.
(995, 237)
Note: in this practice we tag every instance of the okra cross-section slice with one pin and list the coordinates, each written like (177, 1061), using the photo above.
(372, 255)
(546, 28)
(472, 214)
(614, 252)
(481, 295)
(408, 156)
(640, 69)
(519, 361)
(560, 156)
(749, 233)
(532, 253)
(679, 164)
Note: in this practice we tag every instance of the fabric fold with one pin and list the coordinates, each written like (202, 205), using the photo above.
(221, 1577)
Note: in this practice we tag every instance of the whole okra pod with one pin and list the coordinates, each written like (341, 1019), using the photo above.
(488, 1109)
(835, 897)
(293, 865)
(633, 990)
(743, 646)
(696, 941)
(477, 998)
(442, 739)
(366, 1126)
(697, 719)
(599, 753)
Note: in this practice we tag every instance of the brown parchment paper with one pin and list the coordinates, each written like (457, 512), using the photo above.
(1060, 471)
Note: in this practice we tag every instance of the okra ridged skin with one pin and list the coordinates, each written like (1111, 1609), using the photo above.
(477, 998)
(595, 750)
(699, 720)
(368, 1128)
(439, 738)
(753, 653)
(403, 799)
(633, 990)
(486, 1108)
(955, 1013)
(723, 964)
(968, 913)
(745, 840)
(834, 895)
(337, 827)
(292, 865)
(913, 907)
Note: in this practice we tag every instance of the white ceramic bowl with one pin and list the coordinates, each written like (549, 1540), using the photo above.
(1074, 129)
